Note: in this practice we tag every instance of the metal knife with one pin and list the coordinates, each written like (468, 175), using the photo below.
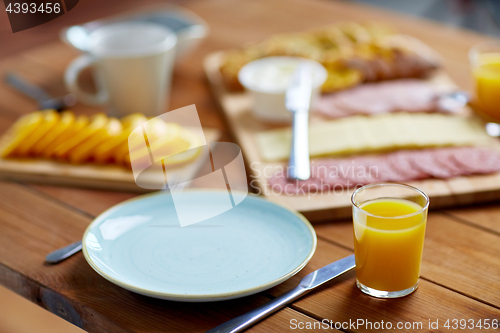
(45, 101)
(308, 283)
(63, 253)
(297, 101)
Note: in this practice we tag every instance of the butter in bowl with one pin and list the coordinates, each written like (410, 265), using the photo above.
(267, 80)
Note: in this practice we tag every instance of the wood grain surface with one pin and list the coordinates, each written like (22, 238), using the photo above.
(461, 265)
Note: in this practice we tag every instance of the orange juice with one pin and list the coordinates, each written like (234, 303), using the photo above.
(486, 74)
(388, 243)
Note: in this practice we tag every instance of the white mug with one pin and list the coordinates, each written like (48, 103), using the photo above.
(133, 64)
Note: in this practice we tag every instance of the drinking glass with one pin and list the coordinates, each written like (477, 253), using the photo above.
(484, 60)
(389, 222)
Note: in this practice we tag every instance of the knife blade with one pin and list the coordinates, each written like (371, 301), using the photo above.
(297, 101)
(325, 274)
(299, 92)
(308, 283)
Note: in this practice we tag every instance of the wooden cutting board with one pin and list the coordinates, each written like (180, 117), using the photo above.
(91, 176)
(237, 110)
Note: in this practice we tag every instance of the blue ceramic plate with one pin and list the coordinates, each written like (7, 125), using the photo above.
(139, 245)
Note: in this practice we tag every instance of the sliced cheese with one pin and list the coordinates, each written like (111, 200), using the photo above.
(362, 134)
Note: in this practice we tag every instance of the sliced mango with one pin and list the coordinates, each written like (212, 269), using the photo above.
(179, 150)
(133, 120)
(84, 151)
(105, 151)
(186, 151)
(78, 125)
(66, 120)
(19, 131)
(158, 132)
(97, 122)
(50, 119)
(65, 137)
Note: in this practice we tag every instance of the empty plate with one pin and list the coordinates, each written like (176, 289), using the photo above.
(139, 245)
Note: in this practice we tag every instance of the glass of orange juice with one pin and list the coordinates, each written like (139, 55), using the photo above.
(389, 227)
(485, 65)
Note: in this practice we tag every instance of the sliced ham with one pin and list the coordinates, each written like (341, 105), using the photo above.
(425, 162)
(477, 160)
(328, 171)
(410, 95)
(401, 162)
(445, 158)
(381, 170)
(336, 174)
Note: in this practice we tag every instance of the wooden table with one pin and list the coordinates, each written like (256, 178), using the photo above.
(461, 264)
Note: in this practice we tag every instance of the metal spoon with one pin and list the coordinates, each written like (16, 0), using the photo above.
(453, 100)
(63, 253)
(493, 129)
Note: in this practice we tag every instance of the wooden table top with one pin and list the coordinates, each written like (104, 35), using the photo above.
(461, 263)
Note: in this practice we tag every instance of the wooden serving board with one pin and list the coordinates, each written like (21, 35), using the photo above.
(237, 109)
(88, 175)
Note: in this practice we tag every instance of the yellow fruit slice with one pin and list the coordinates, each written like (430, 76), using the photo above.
(157, 149)
(82, 152)
(76, 127)
(19, 131)
(188, 153)
(133, 120)
(105, 151)
(181, 150)
(157, 131)
(101, 139)
(50, 119)
(67, 119)
(167, 144)
(97, 122)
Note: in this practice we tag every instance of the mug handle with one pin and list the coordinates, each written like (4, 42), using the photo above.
(71, 78)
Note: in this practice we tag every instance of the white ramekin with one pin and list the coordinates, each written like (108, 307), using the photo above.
(268, 93)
